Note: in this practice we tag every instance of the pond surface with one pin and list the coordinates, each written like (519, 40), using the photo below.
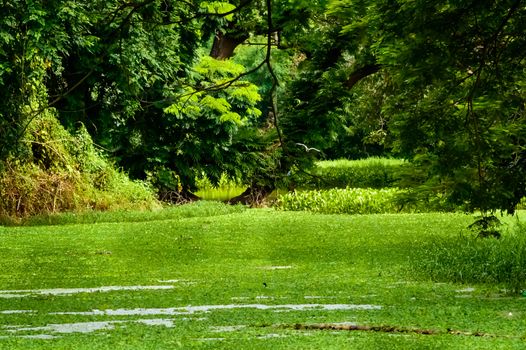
(189, 310)
(54, 330)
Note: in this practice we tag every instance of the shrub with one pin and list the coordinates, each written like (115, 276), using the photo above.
(57, 171)
(27, 190)
(472, 259)
(365, 173)
(119, 192)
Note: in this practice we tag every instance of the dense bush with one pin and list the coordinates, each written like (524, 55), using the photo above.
(472, 259)
(365, 173)
(59, 172)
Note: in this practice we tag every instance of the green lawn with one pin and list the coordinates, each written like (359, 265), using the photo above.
(210, 276)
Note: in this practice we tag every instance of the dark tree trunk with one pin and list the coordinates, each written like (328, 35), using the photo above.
(225, 44)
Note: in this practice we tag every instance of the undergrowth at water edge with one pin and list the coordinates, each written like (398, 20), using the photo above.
(57, 171)
(341, 201)
(356, 201)
(190, 210)
(470, 258)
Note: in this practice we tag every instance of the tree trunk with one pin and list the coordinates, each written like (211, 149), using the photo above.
(225, 44)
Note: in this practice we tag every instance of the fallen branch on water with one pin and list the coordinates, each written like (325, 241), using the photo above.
(383, 329)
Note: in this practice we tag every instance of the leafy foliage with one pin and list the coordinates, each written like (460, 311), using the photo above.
(123, 71)
(61, 172)
(450, 95)
(460, 105)
(365, 130)
(29, 46)
(202, 129)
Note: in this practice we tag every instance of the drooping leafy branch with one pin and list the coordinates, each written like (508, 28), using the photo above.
(459, 74)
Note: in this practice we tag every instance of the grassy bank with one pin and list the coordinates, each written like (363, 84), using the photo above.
(243, 279)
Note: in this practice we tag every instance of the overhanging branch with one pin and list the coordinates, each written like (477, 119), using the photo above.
(361, 73)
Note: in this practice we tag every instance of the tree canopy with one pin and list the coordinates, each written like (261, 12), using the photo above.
(175, 89)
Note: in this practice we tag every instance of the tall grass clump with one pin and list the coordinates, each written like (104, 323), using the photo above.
(56, 171)
(472, 259)
(364, 173)
(342, 201)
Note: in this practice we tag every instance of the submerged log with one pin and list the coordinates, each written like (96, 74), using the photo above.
(353, 327)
